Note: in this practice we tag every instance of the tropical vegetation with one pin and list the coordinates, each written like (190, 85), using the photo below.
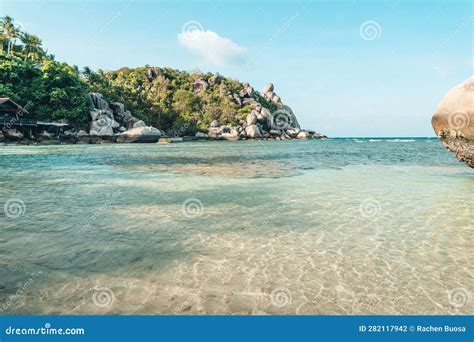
(54, 90)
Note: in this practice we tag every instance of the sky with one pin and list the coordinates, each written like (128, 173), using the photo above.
(346, 68)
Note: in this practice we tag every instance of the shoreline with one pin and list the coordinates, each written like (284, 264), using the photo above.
(113, 140)
(187, 139)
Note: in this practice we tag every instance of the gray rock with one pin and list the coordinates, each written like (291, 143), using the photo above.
(252, 131)
(102, 127)
(237, 99)
(138, 124)
(303, 135)
(118, 108)
(232, 135)
(200, 85)
(98, 101)
(275, 132)
(265, 112)
(128, 120)
(215, 79)
(251, 119)
(81, 133)
(215, 123)
(248, 90)
(215, 132)
(140, 135)
(293, 132)
(153, 73)
(268, 88)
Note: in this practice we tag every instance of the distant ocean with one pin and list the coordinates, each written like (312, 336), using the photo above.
(337, 226)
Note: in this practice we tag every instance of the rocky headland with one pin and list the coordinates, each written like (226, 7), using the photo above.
(252, 115)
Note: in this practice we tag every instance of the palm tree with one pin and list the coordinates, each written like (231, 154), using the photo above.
(9, 31)
(3, 39)
(32, 45)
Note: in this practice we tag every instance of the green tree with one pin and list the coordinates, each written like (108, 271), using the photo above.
(31, 46)
(9, 32)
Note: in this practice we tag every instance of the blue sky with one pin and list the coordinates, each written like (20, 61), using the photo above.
(347, 68)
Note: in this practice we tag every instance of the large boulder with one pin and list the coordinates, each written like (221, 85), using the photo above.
(215, 132)
(248, 90)
(103, 123)
(233, 134)
(268, 88)
(140, 135)
(453, 121)
(97, 114)
(215, 123)
(103, 127)
(303, 135)
(118, 108)
(252, 118)
(252, 131)
(98, 101)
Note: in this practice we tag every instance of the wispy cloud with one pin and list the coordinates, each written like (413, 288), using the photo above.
(212, 48)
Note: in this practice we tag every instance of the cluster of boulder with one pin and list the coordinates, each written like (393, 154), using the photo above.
(261, 123)
(453, 121)
(113, 123)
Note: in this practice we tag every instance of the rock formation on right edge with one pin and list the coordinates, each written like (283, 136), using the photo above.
(453, 121)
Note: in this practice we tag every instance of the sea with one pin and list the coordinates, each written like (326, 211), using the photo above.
(349, 226)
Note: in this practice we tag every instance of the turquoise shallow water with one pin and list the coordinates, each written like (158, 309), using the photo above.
(345, 226)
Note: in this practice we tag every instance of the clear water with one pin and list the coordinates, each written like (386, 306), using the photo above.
(346, 226)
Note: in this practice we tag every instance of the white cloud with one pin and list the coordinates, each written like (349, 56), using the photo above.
(212, 48)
